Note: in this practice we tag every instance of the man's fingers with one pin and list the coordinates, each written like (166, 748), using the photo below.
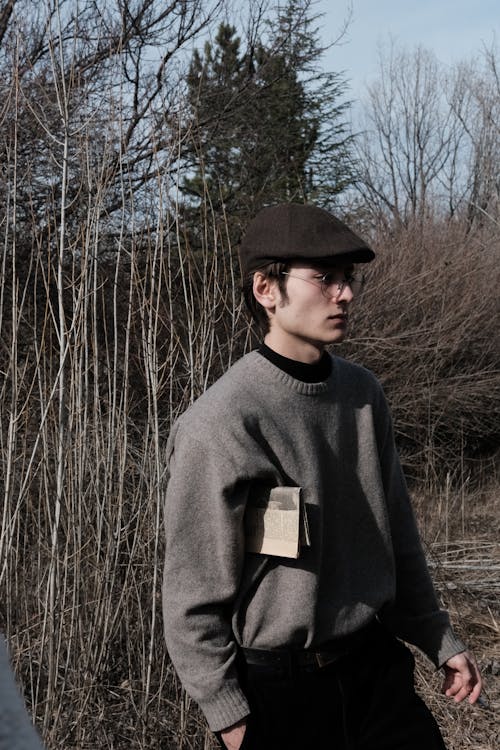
(476, 692)
(462, 678)
(462, 693)
(456, 689)
(476, 683)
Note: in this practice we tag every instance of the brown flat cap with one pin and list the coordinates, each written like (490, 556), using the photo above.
(295, 231)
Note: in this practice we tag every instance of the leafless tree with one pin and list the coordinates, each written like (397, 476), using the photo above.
(476, 105)
(429, 138)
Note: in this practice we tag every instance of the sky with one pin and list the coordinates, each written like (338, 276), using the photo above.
(453, 29)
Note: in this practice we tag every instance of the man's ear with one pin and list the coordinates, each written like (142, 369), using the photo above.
(265, 290)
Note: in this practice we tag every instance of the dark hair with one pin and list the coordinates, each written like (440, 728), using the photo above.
(271, 271)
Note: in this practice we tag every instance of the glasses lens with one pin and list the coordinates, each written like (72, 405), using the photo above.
(357, 283)
(335, 288)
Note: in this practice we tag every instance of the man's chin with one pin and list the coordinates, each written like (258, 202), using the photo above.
(336, 338)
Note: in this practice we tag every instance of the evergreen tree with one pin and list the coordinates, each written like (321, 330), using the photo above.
(216, 82)
(264, 125)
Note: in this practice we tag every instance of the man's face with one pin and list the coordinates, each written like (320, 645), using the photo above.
(314, 312)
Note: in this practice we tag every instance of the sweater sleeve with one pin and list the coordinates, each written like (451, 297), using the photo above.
(16, 730)
(414, 615)
(204, 509)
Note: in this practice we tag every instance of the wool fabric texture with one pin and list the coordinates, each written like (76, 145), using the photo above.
(16, 730)
(255, 428)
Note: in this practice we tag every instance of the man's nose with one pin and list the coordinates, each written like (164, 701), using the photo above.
(345, 295)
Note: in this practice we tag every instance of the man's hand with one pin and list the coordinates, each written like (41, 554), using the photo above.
(462, 678)
(233, 735)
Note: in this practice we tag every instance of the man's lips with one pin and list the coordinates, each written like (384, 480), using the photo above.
(343, 317)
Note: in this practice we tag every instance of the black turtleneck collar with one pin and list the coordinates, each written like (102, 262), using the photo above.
(315, 373)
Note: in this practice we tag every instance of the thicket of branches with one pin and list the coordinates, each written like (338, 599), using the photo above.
(428, 192)
(129, 166)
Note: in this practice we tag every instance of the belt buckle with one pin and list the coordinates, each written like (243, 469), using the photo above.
(322, 659)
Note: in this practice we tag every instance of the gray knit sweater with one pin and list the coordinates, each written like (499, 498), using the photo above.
(16, 730)
(258, 427)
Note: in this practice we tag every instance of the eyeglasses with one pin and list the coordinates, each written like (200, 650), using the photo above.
(331, 286)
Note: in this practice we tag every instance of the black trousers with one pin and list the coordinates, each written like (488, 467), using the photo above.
(364, 701)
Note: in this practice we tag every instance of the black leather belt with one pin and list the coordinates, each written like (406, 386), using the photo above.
(311, 659)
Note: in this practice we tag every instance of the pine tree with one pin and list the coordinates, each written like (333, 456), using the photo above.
(216, 82)
(264, 124)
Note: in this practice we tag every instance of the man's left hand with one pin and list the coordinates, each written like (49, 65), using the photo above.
(462, 678)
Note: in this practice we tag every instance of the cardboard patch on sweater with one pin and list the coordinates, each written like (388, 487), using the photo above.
(276, 524)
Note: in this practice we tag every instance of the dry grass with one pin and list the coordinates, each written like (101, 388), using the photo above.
(464, 554)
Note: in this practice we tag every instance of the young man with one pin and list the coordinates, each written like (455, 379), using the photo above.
(301, 653)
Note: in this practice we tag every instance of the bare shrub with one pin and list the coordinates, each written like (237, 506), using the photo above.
(427, 325)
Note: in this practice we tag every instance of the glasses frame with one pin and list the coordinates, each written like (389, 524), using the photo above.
(355, 280)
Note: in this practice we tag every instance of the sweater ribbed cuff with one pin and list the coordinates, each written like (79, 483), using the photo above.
(431, 633)
(450, 646)
(226, 708)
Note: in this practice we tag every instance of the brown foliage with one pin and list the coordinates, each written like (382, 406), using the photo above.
(428, 327)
